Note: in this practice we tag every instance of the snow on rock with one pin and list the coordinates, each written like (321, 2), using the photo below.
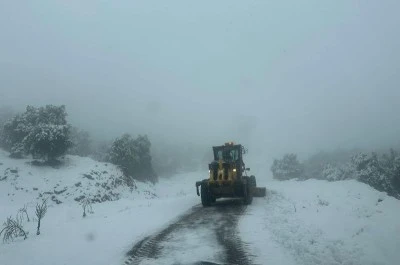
(320, 222)
(103, 236)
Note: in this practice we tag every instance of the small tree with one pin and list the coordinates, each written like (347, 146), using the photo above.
(287, 168)
(6, 113)
(13, 133)
(48, 141)
(42, 132)
(40, 212)
(370, 170)
(133, 156)
(144, 169)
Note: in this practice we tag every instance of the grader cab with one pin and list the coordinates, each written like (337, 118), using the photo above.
(228, 177)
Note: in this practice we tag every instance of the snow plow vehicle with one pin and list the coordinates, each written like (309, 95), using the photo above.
(228, 177)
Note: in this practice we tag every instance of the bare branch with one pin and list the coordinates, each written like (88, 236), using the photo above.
(41, 210)
(87, 205)
(24, 211)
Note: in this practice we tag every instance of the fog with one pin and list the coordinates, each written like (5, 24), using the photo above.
(277, 76)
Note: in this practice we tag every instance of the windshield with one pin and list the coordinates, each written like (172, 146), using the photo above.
(227, 154)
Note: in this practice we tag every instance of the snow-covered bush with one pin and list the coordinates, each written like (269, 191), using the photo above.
(335, 172)
(6, 113)
(396, 175)
(42, 132)
(13, 133)
(133, 156)
(321, 164)
(380, 172)
(287, 168)
(332, 172)
(47, 141)
(370, 171)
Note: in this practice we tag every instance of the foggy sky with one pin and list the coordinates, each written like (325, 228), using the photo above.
(276, 75)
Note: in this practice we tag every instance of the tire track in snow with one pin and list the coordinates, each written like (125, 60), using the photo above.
(220, 220)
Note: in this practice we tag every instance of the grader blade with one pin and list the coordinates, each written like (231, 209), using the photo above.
(259, 192)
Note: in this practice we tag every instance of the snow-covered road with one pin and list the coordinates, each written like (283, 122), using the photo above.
(200, 236)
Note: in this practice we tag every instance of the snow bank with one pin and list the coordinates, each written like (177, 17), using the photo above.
(102, 237)
(320, 222)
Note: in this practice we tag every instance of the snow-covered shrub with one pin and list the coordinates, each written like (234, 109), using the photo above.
(13, 133)
(6, 113)
(133, 156)
(287, 168)
(378, 173)
(47, 141)
(321, 164)
(390, 164)
(336, 172)
(42, 132)
(332, 173)
(396, 175)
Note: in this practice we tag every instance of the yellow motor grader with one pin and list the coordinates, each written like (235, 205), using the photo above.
(228, 177)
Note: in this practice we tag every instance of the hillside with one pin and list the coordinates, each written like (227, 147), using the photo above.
(124, 215)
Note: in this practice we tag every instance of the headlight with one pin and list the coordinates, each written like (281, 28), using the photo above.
(234, 170)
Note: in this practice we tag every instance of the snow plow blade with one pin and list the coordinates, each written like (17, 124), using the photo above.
(259, 192)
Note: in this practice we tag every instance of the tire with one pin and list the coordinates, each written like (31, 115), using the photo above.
(253, 181)
(205, 195)
(248, 192)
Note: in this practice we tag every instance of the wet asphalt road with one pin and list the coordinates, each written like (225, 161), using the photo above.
(202, 236)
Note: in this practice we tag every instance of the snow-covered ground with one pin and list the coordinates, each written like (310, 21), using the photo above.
(310, 222)
(320, 222)
(102, 237)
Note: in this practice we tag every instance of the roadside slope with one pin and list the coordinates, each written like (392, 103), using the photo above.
(121, 215)
(320, 222)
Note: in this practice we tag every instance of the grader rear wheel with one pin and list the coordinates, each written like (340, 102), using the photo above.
(253, 181)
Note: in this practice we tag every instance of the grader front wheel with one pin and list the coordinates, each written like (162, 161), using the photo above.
(248, 192)
(206, 197)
